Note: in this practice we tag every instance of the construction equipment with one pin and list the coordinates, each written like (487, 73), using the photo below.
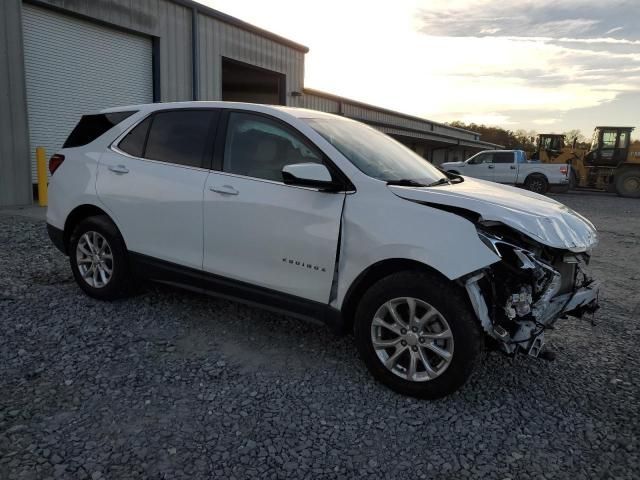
(612, 163)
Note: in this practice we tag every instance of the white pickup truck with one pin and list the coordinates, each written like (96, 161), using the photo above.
(513, 168)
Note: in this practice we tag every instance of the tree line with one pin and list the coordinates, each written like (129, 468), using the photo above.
(519, 139)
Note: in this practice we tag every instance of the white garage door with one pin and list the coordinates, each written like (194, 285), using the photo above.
(74, 67)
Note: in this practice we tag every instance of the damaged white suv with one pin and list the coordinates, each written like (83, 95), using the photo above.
(320, 217)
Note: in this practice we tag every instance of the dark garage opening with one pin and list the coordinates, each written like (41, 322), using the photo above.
(246, 83)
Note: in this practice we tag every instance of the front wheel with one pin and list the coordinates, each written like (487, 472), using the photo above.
(417, 335)
(627, 183)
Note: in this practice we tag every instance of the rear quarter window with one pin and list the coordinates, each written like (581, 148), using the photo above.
(133, 142)
(91, 127)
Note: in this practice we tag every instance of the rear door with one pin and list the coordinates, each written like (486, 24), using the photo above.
(505, 168)
(257, 229)
(152, 182)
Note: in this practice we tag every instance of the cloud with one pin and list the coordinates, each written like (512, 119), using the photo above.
(535, 56)
(491, 118)
(532, 18)
(545, 121)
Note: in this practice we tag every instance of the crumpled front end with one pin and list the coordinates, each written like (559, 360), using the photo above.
(532, 286)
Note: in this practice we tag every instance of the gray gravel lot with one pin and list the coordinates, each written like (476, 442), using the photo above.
(171, 384)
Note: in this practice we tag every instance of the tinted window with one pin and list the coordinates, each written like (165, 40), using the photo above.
(180, 137)
(259, 147)
(503, 157)
(91, 127)
(133, 142)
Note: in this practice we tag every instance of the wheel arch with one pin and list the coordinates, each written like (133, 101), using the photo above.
(371, 275)
(77, 215)
(537, 174)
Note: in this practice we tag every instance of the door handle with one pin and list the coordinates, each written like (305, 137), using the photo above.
(225, 190)
(491, 166)
(512, 167)
(118, 169)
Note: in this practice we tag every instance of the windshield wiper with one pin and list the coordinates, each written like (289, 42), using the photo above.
(406, 182)
(442, 181)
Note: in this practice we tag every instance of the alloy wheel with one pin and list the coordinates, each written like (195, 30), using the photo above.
(94, 259)
(412, 339)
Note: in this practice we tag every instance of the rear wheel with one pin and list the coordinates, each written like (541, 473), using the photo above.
(98, 258)
(537, 184)
(628, 183)
(417, 335)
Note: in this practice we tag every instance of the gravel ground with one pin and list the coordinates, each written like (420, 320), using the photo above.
(171, 384)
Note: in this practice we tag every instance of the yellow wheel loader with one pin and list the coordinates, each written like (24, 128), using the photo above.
(611, 164)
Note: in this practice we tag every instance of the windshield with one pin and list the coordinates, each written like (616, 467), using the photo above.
(374, 153)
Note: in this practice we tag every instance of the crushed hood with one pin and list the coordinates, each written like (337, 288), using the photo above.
(540, 218)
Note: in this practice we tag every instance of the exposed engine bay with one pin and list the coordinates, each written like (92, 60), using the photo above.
(519, 297)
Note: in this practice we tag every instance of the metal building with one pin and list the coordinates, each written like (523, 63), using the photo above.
(60, 59)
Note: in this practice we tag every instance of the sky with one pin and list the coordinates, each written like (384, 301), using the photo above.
(545, 65)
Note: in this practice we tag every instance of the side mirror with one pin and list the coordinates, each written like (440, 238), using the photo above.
(309, 175)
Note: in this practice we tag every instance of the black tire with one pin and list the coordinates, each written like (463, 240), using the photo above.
(627, 183)
(453, 306)
(537, 184)
(119, 283)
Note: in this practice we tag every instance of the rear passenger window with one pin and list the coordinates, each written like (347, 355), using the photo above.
(133, 142)
(91, 127)
(500, 157)
(259, 147)
(180, 136)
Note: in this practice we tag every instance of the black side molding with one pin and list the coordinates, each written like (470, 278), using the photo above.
(205, 282)
(57, 237)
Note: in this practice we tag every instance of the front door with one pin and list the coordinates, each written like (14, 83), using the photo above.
(152, 184)
(257, 229)
(480, 166)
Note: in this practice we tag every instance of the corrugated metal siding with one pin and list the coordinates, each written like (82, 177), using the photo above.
(316, 102)
(175, 52)
(138, 15)
(419, 129)
(15, 184)
(74, 67)
(167, 20)
(217, 39)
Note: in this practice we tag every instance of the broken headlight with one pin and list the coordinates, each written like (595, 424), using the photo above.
(522, 283)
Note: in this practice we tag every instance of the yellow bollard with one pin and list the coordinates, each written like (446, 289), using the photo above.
(41, 160)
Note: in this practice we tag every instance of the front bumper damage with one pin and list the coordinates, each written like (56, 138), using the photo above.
(517, 299)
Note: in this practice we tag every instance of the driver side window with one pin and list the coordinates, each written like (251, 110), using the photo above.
(482, 158)
(259, 147)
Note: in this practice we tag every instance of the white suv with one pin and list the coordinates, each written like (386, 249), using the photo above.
(320, 217)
